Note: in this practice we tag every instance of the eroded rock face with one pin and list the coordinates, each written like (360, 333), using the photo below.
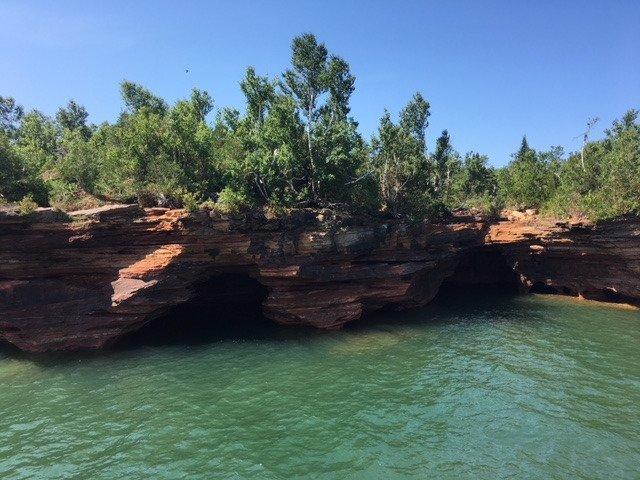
(600, 262)
(84, 280)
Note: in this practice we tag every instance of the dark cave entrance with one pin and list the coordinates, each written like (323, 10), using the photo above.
(543, 288)
(485, 267)
(609, 295)
(225, 306)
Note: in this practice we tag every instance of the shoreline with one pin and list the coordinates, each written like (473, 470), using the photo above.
(83, 280)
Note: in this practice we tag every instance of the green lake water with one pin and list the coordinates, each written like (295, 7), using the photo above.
(474, 386)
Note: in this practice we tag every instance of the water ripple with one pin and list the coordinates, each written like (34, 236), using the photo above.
(472, 387)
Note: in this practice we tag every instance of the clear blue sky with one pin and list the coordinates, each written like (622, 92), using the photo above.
(492, 71)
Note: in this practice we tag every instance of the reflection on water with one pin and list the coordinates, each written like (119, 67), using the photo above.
(476, 385)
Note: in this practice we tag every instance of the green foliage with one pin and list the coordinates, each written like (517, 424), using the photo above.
(69, 196)
(321, 86)
(232, 201)
(273, 166)
(10, 169)
(77, 165)
(16, 180)
(191, 201)
(400, 164)
(443, 160)
(137, 98)
(341, 84)
(27, 205)
(37, 142)
(296, 145)
(609, 183)
(414, 118)
(477, 179)
(260, 94)
(10, 115)
(528, 180)
(473, 184)
(73, 117)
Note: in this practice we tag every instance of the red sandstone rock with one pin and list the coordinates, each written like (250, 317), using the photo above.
(595, 261)
(83, 280)
(87, 279)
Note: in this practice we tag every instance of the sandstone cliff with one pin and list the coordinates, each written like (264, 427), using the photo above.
(85, 279)
(594, 261)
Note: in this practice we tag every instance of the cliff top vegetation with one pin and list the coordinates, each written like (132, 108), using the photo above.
(297, 145)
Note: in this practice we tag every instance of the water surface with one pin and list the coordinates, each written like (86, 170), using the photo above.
(476, 386)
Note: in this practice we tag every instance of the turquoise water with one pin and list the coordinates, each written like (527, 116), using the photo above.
(476, 386)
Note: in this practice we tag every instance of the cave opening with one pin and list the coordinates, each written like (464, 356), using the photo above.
(543, 288)
(224, 306)
(609, 295)
(485, 267)
(546, 289)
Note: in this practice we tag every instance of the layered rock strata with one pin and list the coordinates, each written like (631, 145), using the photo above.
(83, 280)
(594, 261)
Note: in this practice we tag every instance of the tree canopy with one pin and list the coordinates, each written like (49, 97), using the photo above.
(297, 145)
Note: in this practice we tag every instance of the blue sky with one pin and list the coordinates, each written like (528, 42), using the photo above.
(492, 71)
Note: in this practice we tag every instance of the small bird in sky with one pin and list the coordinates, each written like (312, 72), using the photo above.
(186, 70)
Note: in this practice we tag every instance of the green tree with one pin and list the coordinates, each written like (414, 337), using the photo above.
(259, 94)
(16, 180)
(400, 164)
(73, 117)
(529, 179)
(442, 159)
(414, 118)
(525, 152)
(297, 145)
(307, 81)
(10, 170)
(341, 84)
(603, 180)
(321, 85)
(136, 97)
(78, 165)
(273, 165)
(473, 184)
(189, 144)
(37, 142)
(10, 115)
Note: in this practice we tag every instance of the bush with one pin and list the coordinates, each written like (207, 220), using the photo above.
(489, 205)
(161, 195)
(438, 211)
(69, 197)
(232, 201)
(191, 201)
(282, 156)
(365, 196)
(603, 181)
(27, 205)
(526, 183)
(208, 204)
(425, 206)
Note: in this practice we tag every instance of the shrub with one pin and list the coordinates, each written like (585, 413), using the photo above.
(165, 194)
(69, 197)
(27, 205)
(208, 204)
(489, 205)
(526, 183)
(190, 201)
(232, 201)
